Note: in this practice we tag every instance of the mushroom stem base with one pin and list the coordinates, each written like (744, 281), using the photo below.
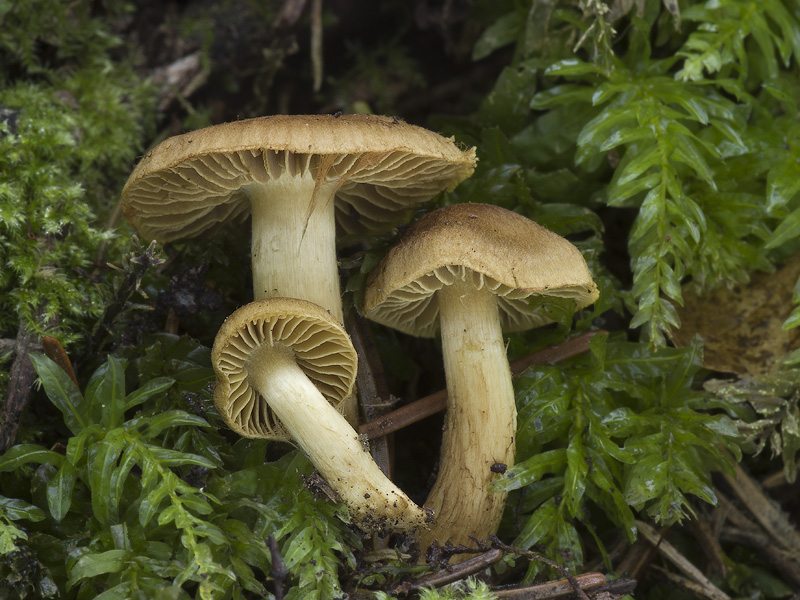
(331, 443)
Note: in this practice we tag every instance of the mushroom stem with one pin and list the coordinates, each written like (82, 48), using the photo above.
(330, 442)
(294, 247)
(480, 423)
(294, 241)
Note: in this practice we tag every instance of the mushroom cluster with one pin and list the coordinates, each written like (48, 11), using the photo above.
(280, 361)
(286, 367)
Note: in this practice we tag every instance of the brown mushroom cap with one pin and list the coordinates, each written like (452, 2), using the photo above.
(320, 346)
(512, 256)
(193, 182)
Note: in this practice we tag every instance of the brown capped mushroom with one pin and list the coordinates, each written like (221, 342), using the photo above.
(470, 271)
(293, 173)
(282, 364)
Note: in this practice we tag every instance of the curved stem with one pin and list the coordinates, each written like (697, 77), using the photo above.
(331, 443)
(480, 423)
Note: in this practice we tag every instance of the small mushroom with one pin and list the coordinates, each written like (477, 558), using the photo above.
(282, 365)
(471, 271)
(296, 175)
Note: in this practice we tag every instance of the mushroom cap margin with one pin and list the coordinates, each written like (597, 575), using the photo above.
(144, 201)
(308, 330)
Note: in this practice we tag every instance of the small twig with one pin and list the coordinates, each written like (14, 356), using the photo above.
(445, 576)
(21, 378)
(372, 388)
(371, 382)
(783, 561)
(539, 558)
(138, 262)
(675, 557)
(279, 570)
(709, 544)
(690, 586)
(316, 43)
(552, 589)
(764, 510)
(437, 402)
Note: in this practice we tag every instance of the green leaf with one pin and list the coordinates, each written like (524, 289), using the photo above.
(102, 462)
(92, 565)
(23, 454)
(528, 471)
(16, 510)
(148, 390)
(575, 477)
(105, 393)
(538, 526)
(59, 490)
(501, 33)
(62, 392)
(150, 427)
(788, 229)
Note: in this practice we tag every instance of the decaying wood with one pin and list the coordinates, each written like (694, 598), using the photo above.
(21, 379)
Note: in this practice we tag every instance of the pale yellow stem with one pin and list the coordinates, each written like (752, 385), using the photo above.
(331, 443)
(480, 423)
(294, 247)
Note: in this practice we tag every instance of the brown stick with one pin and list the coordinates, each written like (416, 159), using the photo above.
(21, 378)
(550, 590)
(765, 511)
(454, 573)
(436, 402)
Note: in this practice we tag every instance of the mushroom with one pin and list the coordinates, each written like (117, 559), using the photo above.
(471, 271)
(296, 176)
(283, 364)
(285, 171)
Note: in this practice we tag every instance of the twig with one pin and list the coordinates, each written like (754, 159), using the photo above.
(316, 43)
(445, 576)
(747, 532)
(371, 382)
(552, 589)
(139, 260)
(675, 557)
(710, 545)
(279, 570)
(21, 378)
(539, 558)
(372, 388)
(783, 561)
(764, 510)
(688, 585)
(437, 402)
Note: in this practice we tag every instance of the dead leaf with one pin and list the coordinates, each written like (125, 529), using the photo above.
(742, 326)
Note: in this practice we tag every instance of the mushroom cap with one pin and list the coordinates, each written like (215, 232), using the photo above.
(194, 182)
(500, 250)
(320, 346)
